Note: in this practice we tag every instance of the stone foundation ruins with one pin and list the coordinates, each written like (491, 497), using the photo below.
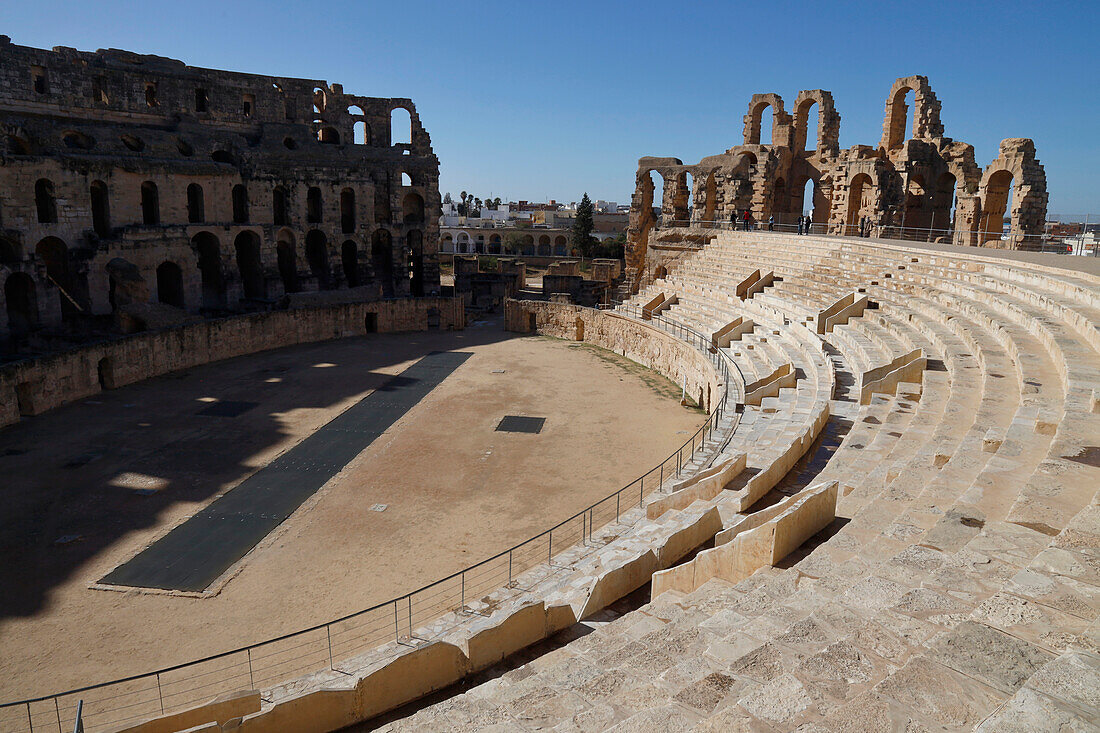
(926, 186)
(136, 189)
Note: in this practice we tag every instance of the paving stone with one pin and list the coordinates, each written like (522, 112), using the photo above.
(997, 659)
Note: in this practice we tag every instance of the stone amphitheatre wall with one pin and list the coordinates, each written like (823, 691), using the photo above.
(36, 385)
(648, 346)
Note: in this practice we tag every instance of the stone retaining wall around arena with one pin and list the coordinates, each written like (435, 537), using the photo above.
(651, 347)
(33, 386)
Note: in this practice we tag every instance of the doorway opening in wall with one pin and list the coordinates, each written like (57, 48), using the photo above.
(433, 318)
(170, 284)
(24, 396)
(532, 323)
(105, 372)
(370, 323)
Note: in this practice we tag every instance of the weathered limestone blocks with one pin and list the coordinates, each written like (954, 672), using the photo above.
(704, 486)
(782, 377)
(886, 378)
(843, 310)
(755, 541)
(33, 386)
(732, 331)
(753, 284)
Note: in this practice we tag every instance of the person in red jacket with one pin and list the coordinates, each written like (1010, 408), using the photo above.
(746, 218)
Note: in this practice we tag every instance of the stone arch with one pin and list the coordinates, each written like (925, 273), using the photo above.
(943, 203)
(360, 131)
(45, 201)
(240, 204)
(561, 246)
(1015, 177)
(328, 135)
(494, 244)
(415, 240)
(916, 204)
(381, 254)
(314, 211)
(926, 112)
(860, 190)
(544, 245)
(249, 266)
(53, 253)
(21, 303)
(196, 205)
(826, 134)
(286, 252)
(780, 122)
(400, 126)
(317, 257)
(170, 284)
(349, 258)
(101, 208)
(412, 208)
(208, 249)
(150, 204)
(280, 206)
(681, 198)
(347, 211)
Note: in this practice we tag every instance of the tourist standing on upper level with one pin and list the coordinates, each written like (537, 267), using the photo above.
(746, 217)
(771, 223)
(801, 223)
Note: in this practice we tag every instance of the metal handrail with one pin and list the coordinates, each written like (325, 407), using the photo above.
(722, 363)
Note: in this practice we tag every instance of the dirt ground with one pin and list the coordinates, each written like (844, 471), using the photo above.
(88, 485)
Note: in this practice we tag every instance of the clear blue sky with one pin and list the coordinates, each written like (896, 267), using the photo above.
(547, 100)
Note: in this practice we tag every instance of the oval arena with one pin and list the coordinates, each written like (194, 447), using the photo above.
(757, 480)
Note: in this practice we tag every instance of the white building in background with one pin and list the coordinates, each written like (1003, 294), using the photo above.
(606, 207)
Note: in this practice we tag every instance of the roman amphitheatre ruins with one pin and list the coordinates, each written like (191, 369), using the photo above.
(266, 471)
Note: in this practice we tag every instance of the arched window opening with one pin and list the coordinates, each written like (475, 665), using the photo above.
(400, 127)
(247, 245)
(807, 207)
(208, 249)
(415, 240)
(170, 284)
(317, 257)
(313, 205)
(329, 136)
(240, 204)
(151, 93)
(45, 201)
(150, 204)
(101, 209)
(764, 114)
(347, 211)
(406, 180)
(9, 252)
(22, 305)
(320, 100)
(528, 245)
(997, 208)
(361, 133)
(381, 255)
(287, 254)
(279, 206)
(494, 244)
(544, 246)
(899, 117)
(412, 208)
(916, 207)
(201, 100)
(806, 125)
(196, 204)
(349, 257)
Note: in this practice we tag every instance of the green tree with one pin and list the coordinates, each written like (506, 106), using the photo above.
(496, 203)
(513, 243)
(582, 239)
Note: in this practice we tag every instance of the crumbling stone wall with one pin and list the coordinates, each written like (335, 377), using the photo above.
(915, 183)
(224, 190)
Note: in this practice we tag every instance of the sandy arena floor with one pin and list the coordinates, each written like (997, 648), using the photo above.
(455, 491)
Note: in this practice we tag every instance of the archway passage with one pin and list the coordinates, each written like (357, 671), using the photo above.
(317, 257)
(54, 254)
(287, 253)
(150, 204)
(400, 126)
(917, 216)
(861, 189)
(943, 206)
(347, 211)
(899, 118)
(381, 255)
(208, 248)
(240, 204)
(196, 206)
(21, 305)
(349, 258)
(998, 194)
(412, 209)
(416, 262)
(45, 202)
(170, 284)
(247, 246)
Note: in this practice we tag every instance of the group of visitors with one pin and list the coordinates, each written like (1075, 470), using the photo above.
(745, 217)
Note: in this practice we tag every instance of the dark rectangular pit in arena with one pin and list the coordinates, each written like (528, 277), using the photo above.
(520, 424)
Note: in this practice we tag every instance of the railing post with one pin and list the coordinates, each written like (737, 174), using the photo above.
(618, 494)
(396, 632)
(550, 547)
(463, 576)
(509, 567)
(57, 711)
(160, 694)
(410, 601)
(641, 491)
(30, 722)
(328, 632)
(251, 680)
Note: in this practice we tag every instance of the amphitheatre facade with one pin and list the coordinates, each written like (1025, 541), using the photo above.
(888, 518)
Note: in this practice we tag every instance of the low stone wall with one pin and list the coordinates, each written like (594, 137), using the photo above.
(33, 386)
(649, 346)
